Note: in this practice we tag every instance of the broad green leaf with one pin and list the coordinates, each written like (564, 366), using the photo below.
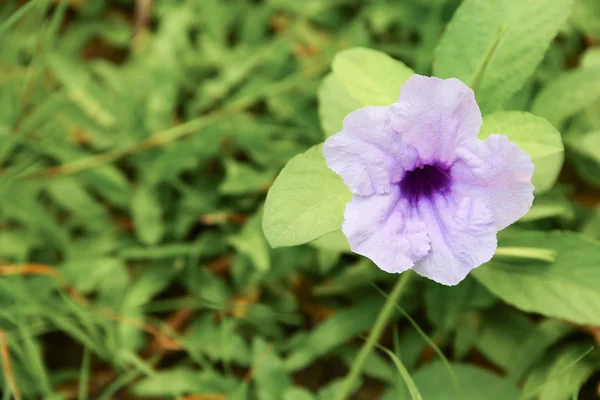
(361, 77)
(306, 201)
(370, 76)
(334, 241)
(569, 288)
(327, 259)
(334, 104)
(147, 215)
(434, 383)
(568, 94)
(534, 135)
(552, 204)
(528, 28)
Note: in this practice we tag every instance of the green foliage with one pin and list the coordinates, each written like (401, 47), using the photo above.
(370, 76)
(361, 77)
(566, 288)
(568, 94)
(521, 33)
(434, 382)
(136, 231)
(306, 201)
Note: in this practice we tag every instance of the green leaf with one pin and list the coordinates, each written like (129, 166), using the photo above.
(334, 241)
(370, 76)
(530, 27)
(306, 201)
(534, 135)
(552, 204)
(361, 77)
(568, 94)
(334, 104)
(434, 383)
(569, 288)
(147, 215)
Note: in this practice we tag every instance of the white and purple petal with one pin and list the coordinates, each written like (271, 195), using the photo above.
(380, 227)
(435, 116)
(462, 237)
(497, 172)
(368, 154)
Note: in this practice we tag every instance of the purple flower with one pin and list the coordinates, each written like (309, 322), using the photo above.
(428, 195)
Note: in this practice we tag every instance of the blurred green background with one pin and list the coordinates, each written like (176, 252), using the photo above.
(137, 142)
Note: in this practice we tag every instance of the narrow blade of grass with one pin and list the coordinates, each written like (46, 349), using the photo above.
(84, 375)
(408, 381)
(428, 340)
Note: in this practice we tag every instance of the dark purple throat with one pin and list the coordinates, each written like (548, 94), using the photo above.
(425, 182)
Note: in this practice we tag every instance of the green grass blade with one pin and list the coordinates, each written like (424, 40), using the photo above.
(84, 375)
(429, 341)
(408, 381)
(17, 15)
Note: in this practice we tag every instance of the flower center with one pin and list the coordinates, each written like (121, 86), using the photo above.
(424, 182)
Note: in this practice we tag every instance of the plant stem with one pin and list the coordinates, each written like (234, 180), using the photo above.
(380, 323)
